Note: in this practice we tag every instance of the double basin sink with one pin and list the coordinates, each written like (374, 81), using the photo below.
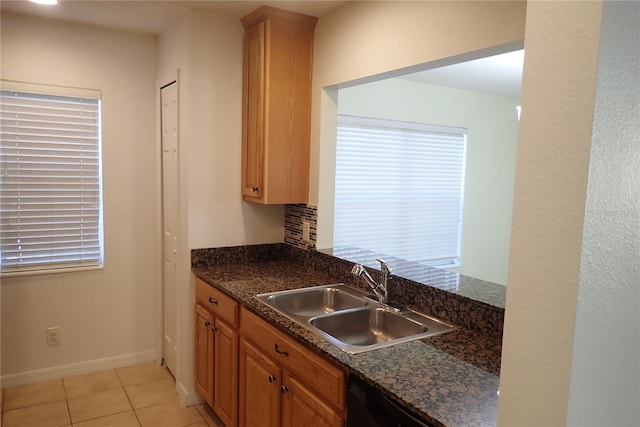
(349, 319)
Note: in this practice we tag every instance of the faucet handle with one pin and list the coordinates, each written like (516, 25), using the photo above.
(357, 269)
(384, 268)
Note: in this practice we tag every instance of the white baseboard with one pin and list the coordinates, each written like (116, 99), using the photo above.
(80, 368)
(187, 397)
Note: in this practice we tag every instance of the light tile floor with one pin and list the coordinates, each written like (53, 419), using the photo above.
(134, 396)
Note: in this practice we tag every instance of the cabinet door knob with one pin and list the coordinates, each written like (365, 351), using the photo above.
(284, 388)
(285, 352)
(207, 323)
(212, 301)
(271, 378)
(214, 329)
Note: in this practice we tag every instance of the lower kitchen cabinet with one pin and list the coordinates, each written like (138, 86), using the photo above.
(216, 351)
(252, 374)
(302, 407)
(260, 388)
(282, 383)
(204, 354)
(225, 367)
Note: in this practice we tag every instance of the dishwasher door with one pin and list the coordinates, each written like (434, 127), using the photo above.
(368, 407)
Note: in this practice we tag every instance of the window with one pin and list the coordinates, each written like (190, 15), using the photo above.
(399, 189)
(50, 188)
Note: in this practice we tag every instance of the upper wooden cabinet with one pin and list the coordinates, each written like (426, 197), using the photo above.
(276, 121)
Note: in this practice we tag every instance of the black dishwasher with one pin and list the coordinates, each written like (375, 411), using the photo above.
(368, 407)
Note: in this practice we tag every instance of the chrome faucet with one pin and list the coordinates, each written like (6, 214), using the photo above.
(380, 289)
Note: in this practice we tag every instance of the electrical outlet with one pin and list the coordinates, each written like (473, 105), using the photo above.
(306, 228)
(53, 335)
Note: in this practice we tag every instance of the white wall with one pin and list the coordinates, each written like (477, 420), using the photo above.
(605, 368)
(492, 124)
(561, 45)
(207, 50)
(217, 214)
(110, 313)
(363, 39)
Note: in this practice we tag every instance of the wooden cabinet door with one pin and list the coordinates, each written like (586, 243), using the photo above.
(225, 385)
(288, 112)
(260, 393)
(253, 129)
(278, 57)
(302, 408)
(204, 343)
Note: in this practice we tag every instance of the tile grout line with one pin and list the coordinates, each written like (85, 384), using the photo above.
(67, 398)
(135, 413)
(102, 416)
(66, 401)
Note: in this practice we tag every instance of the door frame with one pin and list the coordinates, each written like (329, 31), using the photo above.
(186, 288)
(160, 303)
(176, 230)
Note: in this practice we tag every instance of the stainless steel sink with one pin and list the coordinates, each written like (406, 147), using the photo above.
(348, 319)
(366, 327)
(355, 331)
(303, 304)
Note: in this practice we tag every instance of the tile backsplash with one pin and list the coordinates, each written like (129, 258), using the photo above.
(294, 215)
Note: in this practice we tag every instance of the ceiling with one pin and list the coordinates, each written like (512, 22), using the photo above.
(500, 74)
(154, 16)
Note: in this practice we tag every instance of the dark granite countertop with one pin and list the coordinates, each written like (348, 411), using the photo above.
(450, 380)
(465, 286)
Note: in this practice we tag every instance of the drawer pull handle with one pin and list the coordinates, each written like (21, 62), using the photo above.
(285, 352)
(212, 301)
(271, 378)
(207, 323)
(284, 388)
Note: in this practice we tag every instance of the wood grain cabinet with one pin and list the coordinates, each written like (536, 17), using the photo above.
(301, 406)
(216, 351)
(278, 54)
(204, 354)
(282, 383)
(260, 388)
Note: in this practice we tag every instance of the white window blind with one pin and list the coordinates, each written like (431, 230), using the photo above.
(399, 189)
(50, 202)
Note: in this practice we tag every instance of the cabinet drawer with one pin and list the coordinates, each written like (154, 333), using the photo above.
(217, 302)
(324, 377)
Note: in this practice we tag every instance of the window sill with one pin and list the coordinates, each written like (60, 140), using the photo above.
(51, 271)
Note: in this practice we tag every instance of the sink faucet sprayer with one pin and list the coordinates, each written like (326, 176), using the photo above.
(381, 290)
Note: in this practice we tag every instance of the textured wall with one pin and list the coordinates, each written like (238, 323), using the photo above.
(605, 372)
(363, 39)
(207, 49)
(558, 88)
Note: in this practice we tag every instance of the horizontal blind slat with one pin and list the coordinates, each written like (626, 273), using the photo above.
(399, 188)
(50, 200)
